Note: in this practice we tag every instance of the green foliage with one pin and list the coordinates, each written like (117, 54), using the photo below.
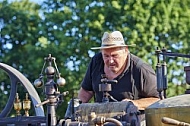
(67, 29)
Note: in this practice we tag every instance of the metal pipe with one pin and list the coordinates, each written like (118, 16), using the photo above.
(164, 73)
(174, 54)
(117, 123)
(159, 74)
(164, 77)
(159, 80)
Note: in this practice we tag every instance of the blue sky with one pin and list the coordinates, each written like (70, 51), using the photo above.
(36, 1)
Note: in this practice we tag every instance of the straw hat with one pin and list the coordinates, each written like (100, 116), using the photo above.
(111, 40)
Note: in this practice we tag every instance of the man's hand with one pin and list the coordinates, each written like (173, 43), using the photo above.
(143, 102)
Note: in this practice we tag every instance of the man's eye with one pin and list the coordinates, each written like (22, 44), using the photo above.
(115, 56)
(106, 56)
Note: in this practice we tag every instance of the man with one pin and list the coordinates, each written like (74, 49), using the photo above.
(136, 80)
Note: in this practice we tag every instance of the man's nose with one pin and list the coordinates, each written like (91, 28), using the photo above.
(111, 59)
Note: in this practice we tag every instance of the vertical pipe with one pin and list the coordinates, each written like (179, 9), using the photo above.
(159, 75)
(164, 76)
(159, 80)
(164, 73)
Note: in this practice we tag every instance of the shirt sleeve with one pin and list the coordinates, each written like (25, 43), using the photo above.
(87, 80)
(148, 81)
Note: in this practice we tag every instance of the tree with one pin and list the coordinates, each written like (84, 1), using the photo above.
(68, 29)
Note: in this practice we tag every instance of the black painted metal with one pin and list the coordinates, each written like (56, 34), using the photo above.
(23, 121)
(53, 95)
(17, 77)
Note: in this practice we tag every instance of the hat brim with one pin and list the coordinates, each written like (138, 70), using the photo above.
(114, 46)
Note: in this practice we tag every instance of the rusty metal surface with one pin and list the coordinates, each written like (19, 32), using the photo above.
(177, 107)
(108, 109)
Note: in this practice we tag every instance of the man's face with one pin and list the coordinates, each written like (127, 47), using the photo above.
(115, 58)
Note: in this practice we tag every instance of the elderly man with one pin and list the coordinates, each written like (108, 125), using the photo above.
(136, 80)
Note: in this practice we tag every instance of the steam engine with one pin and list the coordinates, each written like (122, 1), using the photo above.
(105, 113)
(167, 111)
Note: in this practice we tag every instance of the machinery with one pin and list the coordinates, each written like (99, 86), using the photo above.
(105, 113)
(167, 111)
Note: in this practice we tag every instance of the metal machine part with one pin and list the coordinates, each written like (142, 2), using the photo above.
(52, 93)
(17, 77)
(175, 107)
(161, 70)
(170, 121)
(105, 87)
(187, 72)
(125, 111)
(72, 108)
(53, 96)
(170, 111)
(106, 113)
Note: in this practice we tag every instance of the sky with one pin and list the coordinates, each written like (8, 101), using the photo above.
(36, 1)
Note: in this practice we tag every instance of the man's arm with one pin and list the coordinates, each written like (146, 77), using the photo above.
(143, 102)
(85, 95)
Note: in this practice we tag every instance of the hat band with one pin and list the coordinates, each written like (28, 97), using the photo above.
(103, 45)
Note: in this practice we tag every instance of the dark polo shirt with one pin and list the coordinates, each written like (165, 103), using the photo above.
(137, 81)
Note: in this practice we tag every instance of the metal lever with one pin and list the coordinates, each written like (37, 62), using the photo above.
(171, 121)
